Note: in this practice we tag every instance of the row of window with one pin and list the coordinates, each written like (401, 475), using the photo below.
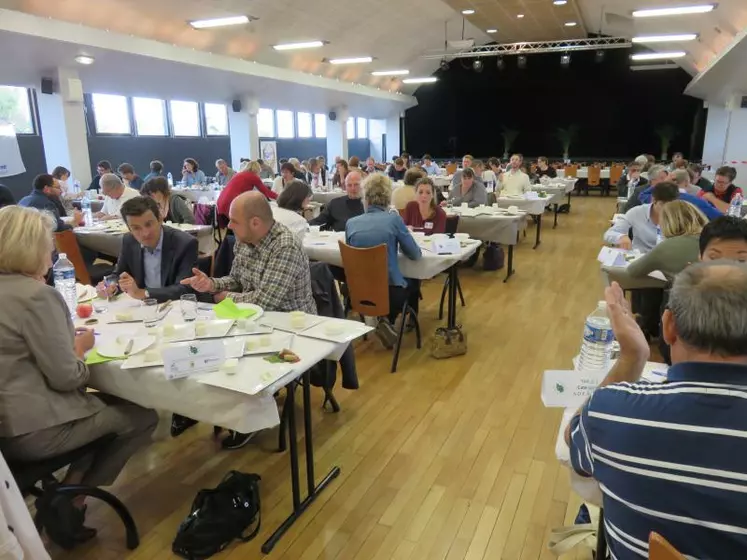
(287, 124)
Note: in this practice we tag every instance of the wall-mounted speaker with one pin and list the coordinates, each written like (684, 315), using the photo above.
(236, 105)
(332, 116)
(47, 85)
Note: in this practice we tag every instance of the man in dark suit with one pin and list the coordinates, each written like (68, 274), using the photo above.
(339, 210)
(154, 259)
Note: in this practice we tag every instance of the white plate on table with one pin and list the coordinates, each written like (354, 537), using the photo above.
(267, 343)
(337, 330)
(115, 347)
(234, 348)
(136, 313)
(92, 228)
(256, 308)
(85, 293)
(183, 332)
(213, 328)
(282, 321)
(249, 328)
(251, 377)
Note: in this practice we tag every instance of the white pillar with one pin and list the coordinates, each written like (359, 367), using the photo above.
(337, 136)
(63, 125)
(725, 140)
(376, 131)
(392, 137)
(244, 131)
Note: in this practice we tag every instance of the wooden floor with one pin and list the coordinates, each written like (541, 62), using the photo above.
(449, 459)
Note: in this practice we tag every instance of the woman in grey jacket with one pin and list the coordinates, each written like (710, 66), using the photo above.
(173, 207)
(469, 191)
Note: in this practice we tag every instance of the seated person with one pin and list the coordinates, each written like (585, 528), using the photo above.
(192, 174)
(514, 181)
(643, 220)
(316, 176)
(397, 171)
(62, 174)
(404, 194)
(6, 196)
(681, 224)
(338, 211)
(224, 172)
(656, 174)
(379, 226)
(270, 268)
(707, 208)
(487, 176)
(102, 168)
(132, 179)
(172, 207)
(668, 456)
(265, 171)
(244, 181)
(630, 180)
(429, 166)
(544, 169)
(154, 259)
(116, 195)
(470, 191)
(423, 214)
(45, 410)
(681, 178)
(287, 174)
(724, 238)
(456, 179)
(697, 177)
(156, 170)
(723, 189)
(292, 202)
(341, 171)
(45, 196)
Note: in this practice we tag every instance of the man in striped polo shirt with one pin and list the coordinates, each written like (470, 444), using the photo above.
(672, 457)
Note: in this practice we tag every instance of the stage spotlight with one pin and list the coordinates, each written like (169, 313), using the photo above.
(599, 56)
(521, 61)
(477, 65)
(500, 63)
(565, 60)
(444, 64)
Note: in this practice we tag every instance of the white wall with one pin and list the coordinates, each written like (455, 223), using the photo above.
(376, 130)
(726, 140)
(392, 137)
(715, 136)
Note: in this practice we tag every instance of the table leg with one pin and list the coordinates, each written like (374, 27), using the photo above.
(452, 295)
(538, 239)
(569, 203)
(313, 490)
(555, 221)
(510, 270)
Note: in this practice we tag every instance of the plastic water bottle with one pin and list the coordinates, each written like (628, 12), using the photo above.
(64, 281)
(76, 186)
(596, 347)
(170, 179)
(85, 207)
(659, 236)
(735, 207)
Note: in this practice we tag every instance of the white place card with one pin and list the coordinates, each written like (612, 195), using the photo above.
(447, 246)
(610, 256)
(193, 357)
(566, 389)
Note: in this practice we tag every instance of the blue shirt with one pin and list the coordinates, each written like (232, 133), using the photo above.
(378, 226)
(670, 458)
(152, 264)
(639, 220)
(40, 201)
(194, 178)
(431, 169)
(704, 206)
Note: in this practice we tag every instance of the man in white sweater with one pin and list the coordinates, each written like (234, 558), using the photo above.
(514, 181)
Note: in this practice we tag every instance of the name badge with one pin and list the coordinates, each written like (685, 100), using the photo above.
(182, 360)
(428, 225)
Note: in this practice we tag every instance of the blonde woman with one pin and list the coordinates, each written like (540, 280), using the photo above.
(681, 224)
(45, 410)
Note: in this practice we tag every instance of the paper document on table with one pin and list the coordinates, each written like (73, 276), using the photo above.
(610, 256)
(565, 389)
(449, 246)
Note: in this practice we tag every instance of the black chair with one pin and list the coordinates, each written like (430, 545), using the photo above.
(452, 223)
(29, 474)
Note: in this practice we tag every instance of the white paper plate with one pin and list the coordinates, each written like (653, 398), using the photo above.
(115, 347)
(249, 328)
(282, 321)
(267, 343)
(177, 333)
(337, 330)
(85, 293)
(214, 328)
(251, 377)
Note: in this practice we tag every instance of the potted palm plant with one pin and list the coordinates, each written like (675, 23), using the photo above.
(509, 137)
(566, 137)
(666, 134)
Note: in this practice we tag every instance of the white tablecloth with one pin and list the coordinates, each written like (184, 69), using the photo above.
(442, 180)
(231, 409)
(556, 193)
(533, 206)
(327, 249)
(111, 243)
(324, 197)
(498, 228)
(195, 195)
(583, 173)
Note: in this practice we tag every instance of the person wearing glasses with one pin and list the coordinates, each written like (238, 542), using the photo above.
(45, 196)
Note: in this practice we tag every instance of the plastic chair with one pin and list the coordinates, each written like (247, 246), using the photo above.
(66, 242)
(29, 474)
(571, 170)
(594, 177)
(616, 172)
(452, 224)
(660, 549)
(451, 168)
(367, 278)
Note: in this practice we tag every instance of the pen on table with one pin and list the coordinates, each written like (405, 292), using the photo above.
(84, 329)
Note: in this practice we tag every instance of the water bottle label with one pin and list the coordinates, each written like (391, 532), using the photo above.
(595, 334)
(64, 275)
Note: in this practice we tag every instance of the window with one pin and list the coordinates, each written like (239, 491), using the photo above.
(266, 123)
(304, 125)
(285, 124)
(111, 114)
(150, 116)
(320, 125)
(15, 108)
(351, 128)
(216, 119)
(362, 127)
(185, 118)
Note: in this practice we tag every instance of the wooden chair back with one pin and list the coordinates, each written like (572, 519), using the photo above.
(367, 278)
(571, 170)
(616, 171)
(67, 243)
(660, 549)
(594, 177)
(451, 168)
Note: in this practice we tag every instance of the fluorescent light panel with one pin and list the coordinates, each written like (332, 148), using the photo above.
(219, 22)
(84, 59)
(570, 24)
(428, 80)
(390, 73)
(519, 16)
(492, 31)
(658, 56)
(294, 46)
(560, 2)
(355, 60)
(665, 38)
(678, 11)
(468, 12)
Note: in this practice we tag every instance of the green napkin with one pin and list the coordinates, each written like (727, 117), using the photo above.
(227, 309)
(94, 358)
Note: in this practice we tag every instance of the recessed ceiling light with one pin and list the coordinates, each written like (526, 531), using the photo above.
(664, 38)
(570, 24)
(492, 31)
(84, 59)
(682, 10)
(468, 12)
(658, 56)
(428, 80)
(294, 46)
(390, 73)
(219, 22)
(560, 2)
(355, 60)
(519, 16)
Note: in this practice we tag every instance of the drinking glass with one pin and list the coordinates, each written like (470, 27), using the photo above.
(150, 313)
(188, 303)
(111, 280)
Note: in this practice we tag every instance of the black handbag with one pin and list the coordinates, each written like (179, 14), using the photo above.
(493, 257)
(219, 516)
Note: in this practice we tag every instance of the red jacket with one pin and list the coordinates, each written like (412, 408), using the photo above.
(413, 218)
(242, 182)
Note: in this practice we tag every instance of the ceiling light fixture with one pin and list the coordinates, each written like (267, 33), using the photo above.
(444, 64)
(560, 2)
(295, 46)
(219, 22)
(492, 31)
(565, 60)
(599, 56)
(84, 59)
(500, 63)
(682, 10)
(468, 12)
(658, 56)
(665, 38)
(519, 16)
(354, 60)
(570, 24)
(477, 65)
(390, 73)
(428, 80)
(521, 62)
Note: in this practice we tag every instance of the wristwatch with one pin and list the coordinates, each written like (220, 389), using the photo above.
(147, 294)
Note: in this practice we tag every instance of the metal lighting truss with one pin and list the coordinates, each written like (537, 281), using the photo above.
(537, 47)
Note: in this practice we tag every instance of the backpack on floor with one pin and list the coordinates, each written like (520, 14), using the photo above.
(493, 257)
(218, 516)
